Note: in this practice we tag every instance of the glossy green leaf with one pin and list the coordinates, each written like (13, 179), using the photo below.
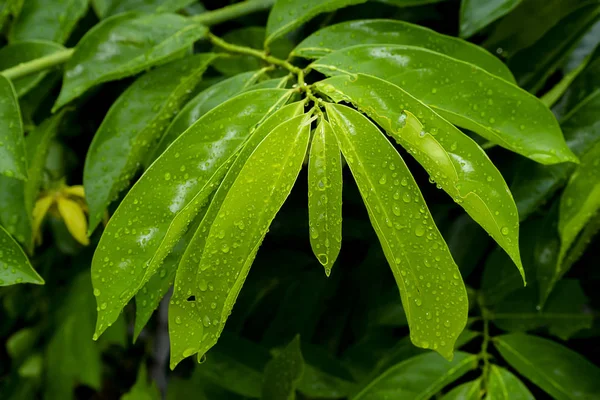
(584, 87)
(452, 159)
(125, 45)
(14, 265)
(383, 31)
(133, 126)
(203, 103)
(551, 50)
(534, 183)
(420, 377)
(325, 196)
(432, 291)
(217, 262)
(476, 15)
(149, 297)
(288, 15)
(466, 391)
(159, 207)
(47, 20)
(283, 373)
(461, 93)
(12, 151)
(503, 385)
(143, 388)
(21, 52)
(106, 8)
(562, 373)
(564, 313)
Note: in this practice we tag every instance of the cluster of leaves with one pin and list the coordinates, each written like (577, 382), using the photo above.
(202, 142)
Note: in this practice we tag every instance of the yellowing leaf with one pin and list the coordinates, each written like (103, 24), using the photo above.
(74, 217)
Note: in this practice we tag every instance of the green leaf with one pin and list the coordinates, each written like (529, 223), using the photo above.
(125, 45)
(552, 49)
(382, 31)
(466, 391)
(409, 3)
(562, 373)
(214, 267)
(70, 346)
(432, 291)
(14, 265)
(503, 385)
(476, 15)
(20, 52)
(564, 314)
(325, 196)
(9, 8)
(47, 20)
(579, 202)
(539, 16)
(534, 183)
(148, 298)
(283, 373)
(420, 377)
(142, 389)
(288, 15)
(106, 8)
(203, 103)
(461, 93)
(17, 198)
(12, 151)
(452, 159)
(133, 126)
(157, 210)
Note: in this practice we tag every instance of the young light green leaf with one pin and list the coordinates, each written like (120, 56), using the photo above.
(203, 103)
(503, 385)
(562, 373)
(418, 378)
(159, 207)
(476, 15)
(13, 163)
(133, 126)
(453, 160)
(383, 31)
(466, 391)
(182, 306)
(106, 8)
(564, 314)
(288, 15)
(463, 94)
(124, 45)
(149, 297)
(552, 49)
(283, 373)
(14, 265)
(142, 389)
(47, 20)
(217, 262)
(432, 291)
(325, 196)
(20, 52)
